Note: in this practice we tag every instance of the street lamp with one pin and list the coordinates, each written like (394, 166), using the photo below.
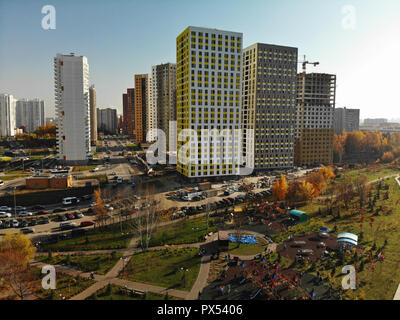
(15, 203)
(184, 275)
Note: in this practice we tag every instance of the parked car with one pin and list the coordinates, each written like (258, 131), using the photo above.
(23, 223)
(27, 230)
(38, 207)
(86, 223)
(5, 215)
(62, 218)
(70, 201)
(67, 225)
(33, 222)
(25, 214)
(42, 212)
(78, 215)
(20, 208)
(5, 208)
(14, 223)
(6, 224)
(69, 216)
(57, 210)
(44, 220)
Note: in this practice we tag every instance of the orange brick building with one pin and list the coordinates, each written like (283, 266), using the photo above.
(49, 182)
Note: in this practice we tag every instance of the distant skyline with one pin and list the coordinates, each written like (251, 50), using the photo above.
(126, 37)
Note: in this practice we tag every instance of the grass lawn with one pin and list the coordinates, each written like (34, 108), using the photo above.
(377, 280)
(114, 292)
(67, 286)
(102, 178)
(184, 232)
(9, 177)
(83, 168)
(163, 268)
(246, 249)
(110, 238)
(98, 263)
(373, 172)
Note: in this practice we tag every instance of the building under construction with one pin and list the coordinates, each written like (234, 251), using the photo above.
(315, 113)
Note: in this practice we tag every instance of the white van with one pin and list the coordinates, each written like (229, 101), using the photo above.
(70, 200)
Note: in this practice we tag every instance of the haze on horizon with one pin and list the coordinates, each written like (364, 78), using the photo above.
(126, 37)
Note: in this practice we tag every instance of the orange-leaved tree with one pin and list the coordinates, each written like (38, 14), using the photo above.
(280, 188)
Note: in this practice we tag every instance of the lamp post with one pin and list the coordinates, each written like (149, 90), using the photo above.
(15, 203)
(184, 275)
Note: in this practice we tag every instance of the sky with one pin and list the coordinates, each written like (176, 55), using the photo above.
(358, 40)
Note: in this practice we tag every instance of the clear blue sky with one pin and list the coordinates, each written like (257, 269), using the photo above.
(124, 37)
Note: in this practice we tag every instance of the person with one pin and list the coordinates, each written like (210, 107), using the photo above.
(92, 275)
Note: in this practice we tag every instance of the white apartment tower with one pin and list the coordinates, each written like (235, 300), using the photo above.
(7, 115)
(71, 76)
(30, 114)
(208, 78)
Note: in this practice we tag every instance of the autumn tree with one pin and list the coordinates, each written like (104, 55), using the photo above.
(388, 157)
(280, 188)
(339, 144)
(15, 252)
(99, 209)
(306, 191)
(362, 188)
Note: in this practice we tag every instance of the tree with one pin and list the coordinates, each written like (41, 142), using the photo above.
(306, 191)
(362, 188)
(147, 218)
(280, 188)
(388, 157)
(15, 252)
(99, 209)
(339, 143)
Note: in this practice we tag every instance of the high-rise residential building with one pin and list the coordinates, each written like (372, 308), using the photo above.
(375, 122)
(93, 116)
(315, 111)
(7, 115)
(151, 111)
(128, 114)
(208, 79)
(141, 105)
(107, 120)
(164, 97)
(29, 114)
(269, 106)
(71, 74)
(346, 120)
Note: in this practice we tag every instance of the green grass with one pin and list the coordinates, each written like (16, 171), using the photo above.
(114, 292)
(9, 177)
(102, 178)
(83, 168)
(163, 268)
(184, 232)
(246, 249)
(380, 283)
(98, 263)
(109, 238)
(66, 286)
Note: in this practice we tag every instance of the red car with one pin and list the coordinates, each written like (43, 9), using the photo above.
(70, 216)
(42, 212)
(86, 223)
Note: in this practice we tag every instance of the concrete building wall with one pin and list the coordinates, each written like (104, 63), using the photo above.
(7, 115)
(30, 114)
(269, 105)
(346, 120)
(72, 107)
(316, 94)
(107, 120)
(141, 105)
(208, 77)
(93, 115)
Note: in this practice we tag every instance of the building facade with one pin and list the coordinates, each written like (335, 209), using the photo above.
(93, 116)
(164, 97)
(29, 114)
(128, 114)
(142, 103)
(107, 120)
(7, 115)
(347, 120)
(269, 106)
(72, 97)
(316, 94)
(208, 78)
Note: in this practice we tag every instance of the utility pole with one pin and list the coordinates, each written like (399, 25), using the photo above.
(15, 203)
